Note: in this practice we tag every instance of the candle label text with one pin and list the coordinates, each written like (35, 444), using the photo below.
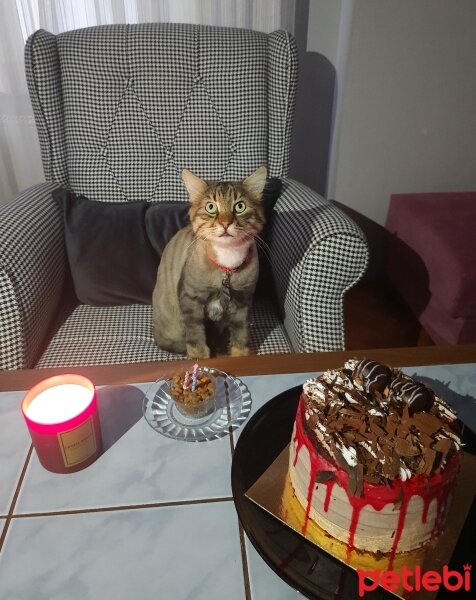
(78, 444)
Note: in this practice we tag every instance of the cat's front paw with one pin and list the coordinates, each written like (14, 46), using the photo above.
(198, 351)
(239, 351)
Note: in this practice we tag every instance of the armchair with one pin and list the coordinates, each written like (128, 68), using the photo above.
(120, 110)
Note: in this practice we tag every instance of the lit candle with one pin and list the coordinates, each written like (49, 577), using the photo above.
(62, 417)
(59, 403)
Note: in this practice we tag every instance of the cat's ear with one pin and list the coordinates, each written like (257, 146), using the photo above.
(254, 184)
(196, 187)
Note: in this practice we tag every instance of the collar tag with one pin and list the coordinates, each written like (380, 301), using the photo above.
(226, 287)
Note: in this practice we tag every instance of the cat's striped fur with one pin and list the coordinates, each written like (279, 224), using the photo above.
(225, 217)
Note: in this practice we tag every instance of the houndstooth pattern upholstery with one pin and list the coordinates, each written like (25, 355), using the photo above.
(44, 81)
(32, 273)
(120, 334)
(120, 110)
(137, 103)
(328, 255)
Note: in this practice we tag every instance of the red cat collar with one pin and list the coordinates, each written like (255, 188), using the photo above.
(249, 256)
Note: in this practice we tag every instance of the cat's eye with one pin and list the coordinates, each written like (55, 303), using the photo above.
(239, 207)
(211, 208)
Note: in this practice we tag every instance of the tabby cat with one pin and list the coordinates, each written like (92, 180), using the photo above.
(209, 269)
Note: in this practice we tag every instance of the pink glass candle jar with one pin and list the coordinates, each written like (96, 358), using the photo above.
(62, 417)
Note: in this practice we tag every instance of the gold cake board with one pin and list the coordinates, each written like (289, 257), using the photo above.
(268, 490)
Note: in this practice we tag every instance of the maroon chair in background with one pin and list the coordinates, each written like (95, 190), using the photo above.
(431, 261)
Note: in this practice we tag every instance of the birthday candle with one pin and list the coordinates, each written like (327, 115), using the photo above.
(194, 376)
(186, 381)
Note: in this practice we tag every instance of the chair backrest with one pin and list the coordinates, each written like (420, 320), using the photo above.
(121, 109)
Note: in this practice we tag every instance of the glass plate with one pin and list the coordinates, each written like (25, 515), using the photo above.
(232, 407)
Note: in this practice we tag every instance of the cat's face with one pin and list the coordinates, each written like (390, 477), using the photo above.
(226, 213)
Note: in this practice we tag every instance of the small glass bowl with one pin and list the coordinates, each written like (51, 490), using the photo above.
(199, 403)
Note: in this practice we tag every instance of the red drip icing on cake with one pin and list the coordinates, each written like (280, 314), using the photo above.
(436, 487)
(327, 501)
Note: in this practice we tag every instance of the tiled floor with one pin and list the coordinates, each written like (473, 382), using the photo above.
(152, 517)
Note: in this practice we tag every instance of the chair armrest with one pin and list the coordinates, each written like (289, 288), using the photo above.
(32, 274)
(317, 254)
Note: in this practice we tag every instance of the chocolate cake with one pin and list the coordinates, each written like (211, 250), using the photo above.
(373, 461)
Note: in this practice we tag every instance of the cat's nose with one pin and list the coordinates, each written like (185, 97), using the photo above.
(225, 229)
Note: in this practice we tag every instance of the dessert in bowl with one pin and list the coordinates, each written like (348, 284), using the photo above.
(193, 392)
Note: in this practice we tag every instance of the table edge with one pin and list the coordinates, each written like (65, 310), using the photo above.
(268, 364)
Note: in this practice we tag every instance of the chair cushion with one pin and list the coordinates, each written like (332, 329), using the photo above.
(124, 334)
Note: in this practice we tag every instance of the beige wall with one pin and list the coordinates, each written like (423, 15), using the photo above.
(405, 116)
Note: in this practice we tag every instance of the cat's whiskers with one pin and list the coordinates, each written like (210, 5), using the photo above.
(258, 239)
(194, 241)
(196, 238)
(262, 244)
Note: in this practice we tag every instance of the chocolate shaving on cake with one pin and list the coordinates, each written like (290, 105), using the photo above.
(379, 424)
(429, 458)
(406, 448)
(356, 480)
(444, 446)
(325, 476)
(375, 428)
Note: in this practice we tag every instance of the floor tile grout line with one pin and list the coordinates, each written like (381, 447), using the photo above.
(244, 561)
(123, 508)
(11, 516)
(13, 503)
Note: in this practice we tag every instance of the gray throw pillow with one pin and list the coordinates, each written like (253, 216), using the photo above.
(114, 248)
